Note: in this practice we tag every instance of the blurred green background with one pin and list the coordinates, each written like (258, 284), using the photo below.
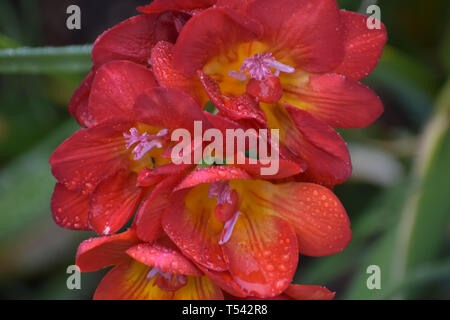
(398, 197)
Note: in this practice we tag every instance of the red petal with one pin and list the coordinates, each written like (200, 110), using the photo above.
(169, 108)
(195, 230)
(129, 281)
(225, 281)
(363, 46)
(303, 292)
(319, 219)
(96, 253)
(212, 174)
(148, 217)
(115, 88)
(166, 258)
(113, 202)
(262, 254)
(235, 108)
(159, 6)
(78, 105)
(316, 144)
(70, 208)
(306, 32)
(90, 155)
(133, 39)
(170, 77)
(209, 33)
(339, 101)
(286, 169)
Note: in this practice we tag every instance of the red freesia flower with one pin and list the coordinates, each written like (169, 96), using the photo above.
(102, 171)
(294, 65)
(158, 271)
(253, 229)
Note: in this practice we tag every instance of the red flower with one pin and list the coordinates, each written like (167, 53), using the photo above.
(302, 71)
(102, 171)
(253, 230)
(158, 271)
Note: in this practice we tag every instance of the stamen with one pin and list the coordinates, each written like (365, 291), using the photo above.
(259, 66)
(238, 75)
(228, 228)
(144, 142)
(220, 190)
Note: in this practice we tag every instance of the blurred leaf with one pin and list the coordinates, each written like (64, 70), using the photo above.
(420, 233)
(47, 60)
(411, 83)
(26, 184)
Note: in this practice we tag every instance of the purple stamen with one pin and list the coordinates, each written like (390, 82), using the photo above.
(259, 66)
(144, 142)
(228, 228)
(220, 190)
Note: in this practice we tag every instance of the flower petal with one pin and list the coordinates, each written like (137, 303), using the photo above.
(78, 105)
(90, 155)
(96, 253)
(312, 142)
(113, 202)
(304, 292)
(166, 258)
(169, 108)
(148, 217)
(339, 101)
(116, 86)
(363, 46)
(170, 77)
(159, 6)
(70, 208)
(208, 33)
(236, 108)
(133, 39)
(191, 224)
(212, 174)
(296, 29)
(129, 281)
(262, 253)
(319, 219)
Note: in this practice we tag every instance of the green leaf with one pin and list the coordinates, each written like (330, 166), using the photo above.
(47, 60)
(26, 184)
(419, 235)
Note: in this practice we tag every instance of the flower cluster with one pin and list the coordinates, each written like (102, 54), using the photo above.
(222, 230)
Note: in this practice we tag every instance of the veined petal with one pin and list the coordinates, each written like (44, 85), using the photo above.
(113, 202)
(159, 6)
(70, 208)
(169, 108)
(313, 143)
(205, 35)
(116, 86)
(319, 219)
(91, 155)
(363, 46)
(211, 175)
(306, 32)
(165, 257)
(170, 77)
(191, 224)
(129, 281)
(339, 101)
(148, 217)
(96, 253)
(133, 39)
(262, 253)
(78, 105)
